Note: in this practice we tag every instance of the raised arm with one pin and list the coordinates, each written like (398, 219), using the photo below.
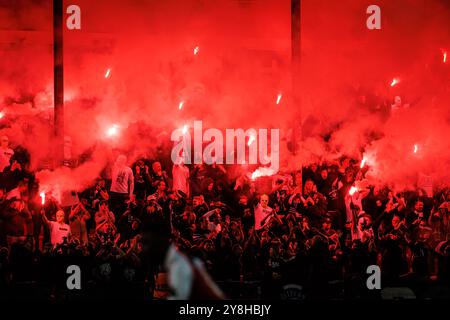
(131, 182)
(44, 218)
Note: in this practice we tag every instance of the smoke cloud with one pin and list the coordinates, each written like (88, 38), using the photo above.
(243, 62)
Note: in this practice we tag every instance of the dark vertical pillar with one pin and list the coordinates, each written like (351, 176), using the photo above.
(58, 82)
(295, 62)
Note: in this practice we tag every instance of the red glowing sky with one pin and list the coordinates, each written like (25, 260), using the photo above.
(242, 64)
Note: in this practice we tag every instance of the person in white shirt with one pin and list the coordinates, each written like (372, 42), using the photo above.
(5, 153)
(262, 212)
(180, 174)
(122, 185)
(58, 229)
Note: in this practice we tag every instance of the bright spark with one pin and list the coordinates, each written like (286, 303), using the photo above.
(113, 130)
(416, 148)
(279, 98)
(180, 105)
(262, 172)
(352, 190)
(42, 194)
(185, 129)
(196, 49)
(2, 114)
(445, 57)
(363, 163)
(394, 82)
(108, 72)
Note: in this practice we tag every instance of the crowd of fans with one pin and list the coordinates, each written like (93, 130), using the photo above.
(311, 230)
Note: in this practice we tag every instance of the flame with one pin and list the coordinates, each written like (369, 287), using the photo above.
(113, 130)
(416, 148)
(363, 163)
(42, 195)
(279, 98)
(352, 190)
(108, 72)
(262, 172)
(196, 49)
(395, 81)
(251, 140)
(180, 105)
(444, 59)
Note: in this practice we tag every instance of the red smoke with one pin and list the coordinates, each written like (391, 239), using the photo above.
(149, 67)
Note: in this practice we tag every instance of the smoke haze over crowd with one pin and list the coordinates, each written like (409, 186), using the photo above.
(133, 63)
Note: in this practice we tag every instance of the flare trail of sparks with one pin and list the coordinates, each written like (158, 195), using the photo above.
(352, 190)
(394, 82)
(42, 195)
(363, 163)
(262, 172)
(279, 98)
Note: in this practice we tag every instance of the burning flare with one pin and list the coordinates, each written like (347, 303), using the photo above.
(113, 130)
(108, 72)
(444, 59)
(352, 190)
(196, 49)
(180, 105)
(363, 163)
(279, 98)
(42, 195)
(262, 172)
(395, 81)
(416, 148)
